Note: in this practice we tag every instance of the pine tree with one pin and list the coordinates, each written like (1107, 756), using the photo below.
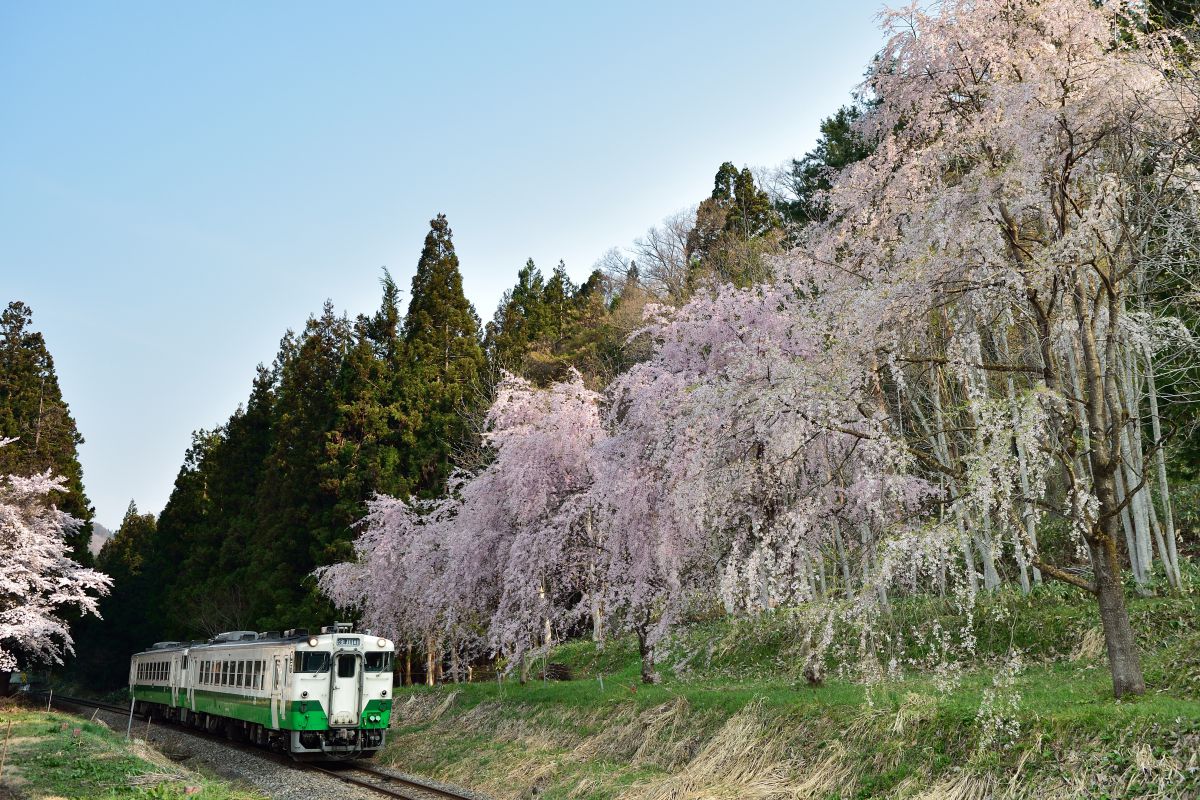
(838, 147)
(444, 361)
(126, 626)
(294, 505)
(736, 226)
(520, 319)
(32, 410)
(363, 448)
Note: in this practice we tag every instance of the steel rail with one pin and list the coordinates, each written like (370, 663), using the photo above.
(409, 783)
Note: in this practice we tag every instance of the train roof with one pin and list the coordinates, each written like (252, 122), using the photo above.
(252, 638)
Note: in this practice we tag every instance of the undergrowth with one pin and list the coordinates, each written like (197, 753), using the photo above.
(1031, 715)
(54, 755)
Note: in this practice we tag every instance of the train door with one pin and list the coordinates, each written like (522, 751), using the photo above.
(174, 680)
(345, 689)
(189, 680)
(277, 674)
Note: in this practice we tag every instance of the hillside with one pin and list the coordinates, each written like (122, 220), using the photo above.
(733, 717)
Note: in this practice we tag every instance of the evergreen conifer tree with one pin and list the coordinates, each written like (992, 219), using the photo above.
(33, 411)
(444, 360)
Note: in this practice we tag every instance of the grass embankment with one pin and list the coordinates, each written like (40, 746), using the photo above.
(54, 755)
(733, 717)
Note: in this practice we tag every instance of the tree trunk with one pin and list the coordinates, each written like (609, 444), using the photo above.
(1160, 467)
(647, 652)
(1104, 455)
(1123, 660)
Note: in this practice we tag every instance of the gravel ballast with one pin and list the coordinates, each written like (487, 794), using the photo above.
(270, 774)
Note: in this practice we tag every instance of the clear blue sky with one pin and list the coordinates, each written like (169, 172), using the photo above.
(181, 182)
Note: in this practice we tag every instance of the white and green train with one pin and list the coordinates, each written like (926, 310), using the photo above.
(327, 695)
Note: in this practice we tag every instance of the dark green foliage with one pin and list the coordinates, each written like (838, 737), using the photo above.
(735, 228)
(443, 362)
(521, 318)
(346, 410)
(839, 146)
(32, 410)
(1173, 13)
(127, 625)
(543, 328)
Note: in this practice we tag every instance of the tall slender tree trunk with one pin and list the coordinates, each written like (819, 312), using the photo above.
(1160, 468)
(1104, 455)
(646, 650)
(1123, 660)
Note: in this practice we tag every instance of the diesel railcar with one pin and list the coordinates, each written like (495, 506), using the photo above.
(314, 696)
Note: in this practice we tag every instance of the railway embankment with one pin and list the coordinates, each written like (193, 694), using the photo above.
(1029, 714)
(53, 754)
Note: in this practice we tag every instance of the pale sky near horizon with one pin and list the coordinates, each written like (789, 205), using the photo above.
(182, 182)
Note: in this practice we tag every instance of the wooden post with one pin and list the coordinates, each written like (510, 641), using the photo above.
(4, 755)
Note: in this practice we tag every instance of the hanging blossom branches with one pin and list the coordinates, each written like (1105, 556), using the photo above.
(1011, 218)
(508, 557)
(37, 578)
(970, 344)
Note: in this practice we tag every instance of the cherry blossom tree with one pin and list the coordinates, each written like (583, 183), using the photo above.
(739, 466)
(37, 578)
(1025, 180)
(509, 555)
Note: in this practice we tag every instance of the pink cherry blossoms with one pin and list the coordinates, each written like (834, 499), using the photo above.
(37, 579)
(969, 343)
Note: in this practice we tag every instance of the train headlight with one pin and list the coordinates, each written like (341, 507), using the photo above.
(382, 642)
(383, 693)
(304, 694)
(312, 641)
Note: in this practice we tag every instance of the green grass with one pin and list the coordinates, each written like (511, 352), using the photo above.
(581, 740)
(54, 755)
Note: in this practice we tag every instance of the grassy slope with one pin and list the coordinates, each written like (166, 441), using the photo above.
(48, 759)
(735, 720)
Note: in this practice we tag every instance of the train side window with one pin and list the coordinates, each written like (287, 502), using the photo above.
(377, 662)
(312, 662)
(241, 673)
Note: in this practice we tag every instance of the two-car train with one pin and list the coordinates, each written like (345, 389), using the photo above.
(326, 695)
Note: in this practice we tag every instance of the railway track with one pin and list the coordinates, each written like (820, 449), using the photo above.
(367, 777)
(389, 784)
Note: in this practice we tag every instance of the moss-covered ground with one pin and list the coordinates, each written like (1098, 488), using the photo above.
(733, 717)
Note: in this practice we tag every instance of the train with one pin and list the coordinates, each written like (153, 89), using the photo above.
(314, 696)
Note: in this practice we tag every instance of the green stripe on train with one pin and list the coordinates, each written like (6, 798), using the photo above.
(300, 715)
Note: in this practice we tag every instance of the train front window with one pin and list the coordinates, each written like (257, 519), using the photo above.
(312, 662)
(377, 662)
(346, 666)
